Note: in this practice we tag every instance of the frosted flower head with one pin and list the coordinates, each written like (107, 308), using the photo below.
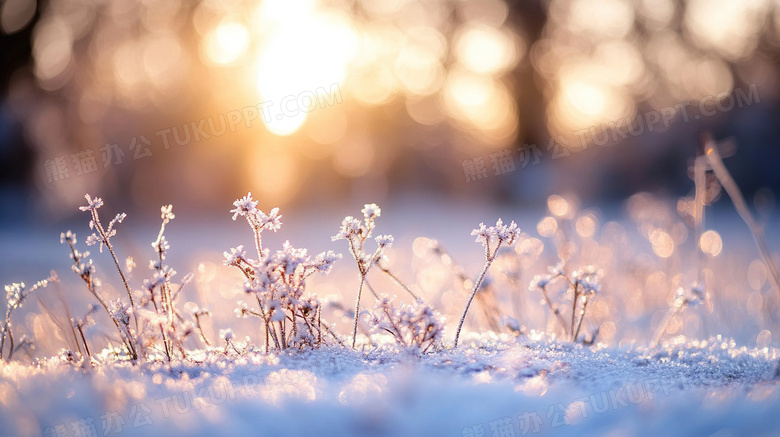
(384, 241)
(249, 287)
(68, 237)
(325, 260)
(118, 219)
(234, 255)
(92, 239)
(587, 278)
(77, 256)
(349, 226)
(244, 206)
(14, 294)
(161, 245)
(226, 334)
(506, 234)
(509, 234)
(120, 311)
(289, 258)
(590, 285)
(242, 310)
(539, 282)
(691, 297)
(166, 213)
(371, 211)
(92, 204)
(589, 270)
(272, 221)
(84, 269)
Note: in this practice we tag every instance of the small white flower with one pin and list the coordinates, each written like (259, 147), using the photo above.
(84, 269)
(384, 241)
(590, 285)
(234, 255)
(272, 221)
(69, 237)
(539, 282)
(289, 258)
(242, 310)
(14, 294)
(325, 260)
(371, 211)
(244, 206)
(226, 334)
(505, 234)
(92, 204)
(166, 212)
(161, 245)
(349, 226)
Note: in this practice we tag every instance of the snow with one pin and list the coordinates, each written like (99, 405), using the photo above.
(491, 385)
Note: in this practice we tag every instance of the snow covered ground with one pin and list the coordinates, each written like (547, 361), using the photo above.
(491, 386)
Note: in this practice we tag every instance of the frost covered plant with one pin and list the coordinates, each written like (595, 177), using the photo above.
(228, 336)
(258, 220)
(161, 295)
(683, 299)
(197, 314)
(541, 283)
(357, 232)
(85, 269)
(415, 326)
(79, 323)
(492, 238)
(16, 294)
(278, 283)
(103, 237)
(582, 285)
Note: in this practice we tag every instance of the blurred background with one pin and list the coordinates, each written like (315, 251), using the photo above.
(313, 102)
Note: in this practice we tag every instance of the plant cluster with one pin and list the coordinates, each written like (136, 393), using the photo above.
(277, 281)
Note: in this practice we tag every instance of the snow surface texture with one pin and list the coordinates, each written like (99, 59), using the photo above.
(490, 386)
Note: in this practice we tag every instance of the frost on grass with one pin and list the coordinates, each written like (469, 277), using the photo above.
(157, 360)
(290, 317)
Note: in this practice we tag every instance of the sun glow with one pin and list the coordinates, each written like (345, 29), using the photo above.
(301, 55)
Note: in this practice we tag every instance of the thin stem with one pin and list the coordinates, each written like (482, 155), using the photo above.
(4, 331)
(574, 306)
(659, 332)
(699, 179)
(86, 346)
(371, 289)
(397, 281)
(104, 237)
(555, 310)
(258, 238)
(333, 334)
(162, 328)
(489, 260)
(363, 275)
(200, 330)
(582, 317)
(10, 342)
(319, 325)
(723, 175)
(357, 310)
(268, 324)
